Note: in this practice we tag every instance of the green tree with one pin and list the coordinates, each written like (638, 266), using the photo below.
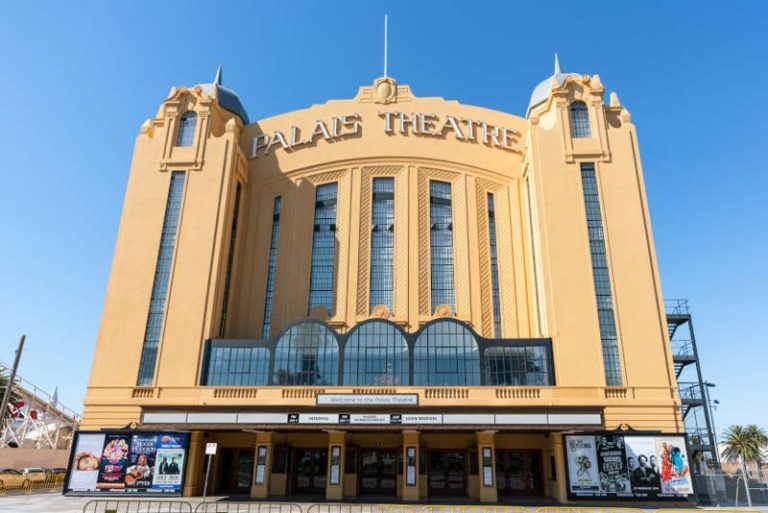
(745, 444)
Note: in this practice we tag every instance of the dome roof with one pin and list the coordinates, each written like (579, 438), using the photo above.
(226, 97)
(541, 92)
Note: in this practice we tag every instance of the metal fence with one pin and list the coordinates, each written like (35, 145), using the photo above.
(52, 482)
(725, 490)
(136, 506)
(247, 507)
(479, 508)
(361, 508)
(181, 506)
(582, 509)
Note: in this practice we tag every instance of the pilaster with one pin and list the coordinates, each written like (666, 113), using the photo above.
(193, 485)
(262, 463)
(411, 474)
(334, 485)
(486, 460)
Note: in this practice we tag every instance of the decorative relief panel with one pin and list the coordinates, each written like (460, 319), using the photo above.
(327, 177)
(484, 264)
(401, 245)
(504, 247)
(502, 241)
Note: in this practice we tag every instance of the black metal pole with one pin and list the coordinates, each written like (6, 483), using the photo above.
(11, 379)
(712, 419)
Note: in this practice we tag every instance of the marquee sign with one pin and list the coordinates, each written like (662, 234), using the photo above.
(380, 418)
(368, 399)
(417, 124)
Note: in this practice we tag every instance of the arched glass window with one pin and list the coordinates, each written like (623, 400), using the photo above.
(580, 120)
(446, 353)
(187, 129)
(307, 354)
(376, 354)
(516, 366)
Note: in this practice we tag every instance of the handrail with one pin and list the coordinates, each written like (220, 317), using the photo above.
(676, 306)
(690, 390)
(681, 347)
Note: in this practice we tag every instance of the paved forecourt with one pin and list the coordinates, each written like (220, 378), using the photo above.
(55, 503)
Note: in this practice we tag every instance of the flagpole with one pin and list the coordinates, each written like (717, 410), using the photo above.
(385, 46)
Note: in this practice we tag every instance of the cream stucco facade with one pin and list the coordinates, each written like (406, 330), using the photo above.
(531, 166)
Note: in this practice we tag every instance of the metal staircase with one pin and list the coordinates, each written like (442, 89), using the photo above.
(693, 389)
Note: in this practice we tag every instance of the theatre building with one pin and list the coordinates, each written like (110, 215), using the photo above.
(392, 297)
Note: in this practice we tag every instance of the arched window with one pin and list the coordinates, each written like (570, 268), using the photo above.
(446, 353)
(307, 354)
(187, 129)
(376, 354)
(580, 120)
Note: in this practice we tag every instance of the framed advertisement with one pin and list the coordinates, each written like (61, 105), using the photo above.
(627, 466)
(335, 465)
(487, 467)
(261, 465)
(410, 466)
(126, 462)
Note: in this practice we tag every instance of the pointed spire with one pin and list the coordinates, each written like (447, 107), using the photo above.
(217, 80)
(557, 66)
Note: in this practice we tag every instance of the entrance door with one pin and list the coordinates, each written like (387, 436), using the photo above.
(378, 472)
(447, 473)
(518, 472)
(235, 471)
(309, 471)
(244, 470)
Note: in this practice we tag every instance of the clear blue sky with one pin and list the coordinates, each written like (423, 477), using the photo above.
(78, 80)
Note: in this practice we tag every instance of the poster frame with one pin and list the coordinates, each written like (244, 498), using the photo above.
(117, 492)
(692, 498)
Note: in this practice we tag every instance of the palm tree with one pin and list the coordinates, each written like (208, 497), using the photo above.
(745, 444)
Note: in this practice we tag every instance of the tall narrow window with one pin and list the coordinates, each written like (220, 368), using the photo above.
(441, 244)
(187, 129)
(230, 259)
(323, 248)
(267, 324)
(382, 242)
(494, 267)
(161, 281)
(580, 120)
(602, 279)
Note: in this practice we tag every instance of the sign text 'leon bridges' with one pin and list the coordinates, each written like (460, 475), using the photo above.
(415, 123)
